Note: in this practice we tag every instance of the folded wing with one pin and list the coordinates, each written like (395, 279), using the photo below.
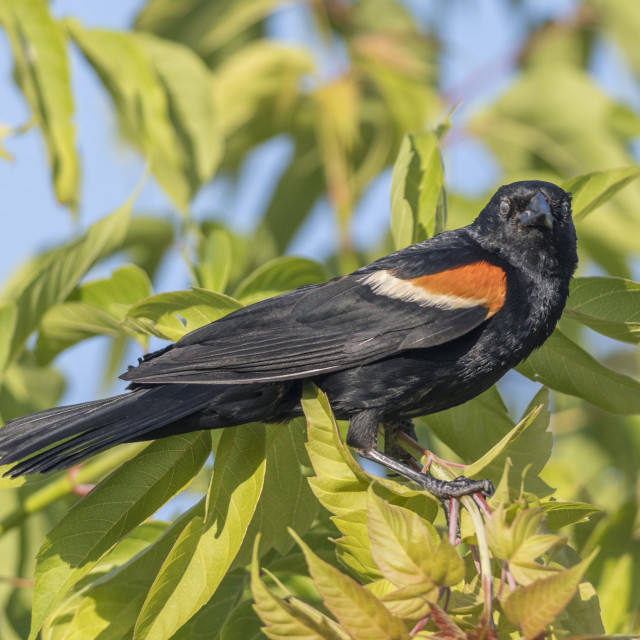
(347, 322)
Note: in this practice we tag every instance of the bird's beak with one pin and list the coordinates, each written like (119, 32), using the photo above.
(538, 213)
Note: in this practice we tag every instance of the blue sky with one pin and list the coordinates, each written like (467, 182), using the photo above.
(477, 35)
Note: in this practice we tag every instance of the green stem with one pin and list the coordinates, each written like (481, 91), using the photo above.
(64, 485)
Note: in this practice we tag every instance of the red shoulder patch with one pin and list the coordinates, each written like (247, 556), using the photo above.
(480, 282)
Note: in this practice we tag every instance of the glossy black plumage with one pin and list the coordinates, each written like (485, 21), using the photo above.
(418, 331)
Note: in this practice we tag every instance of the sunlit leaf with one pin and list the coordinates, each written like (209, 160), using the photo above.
(340, 483)
(286, 500)
(173, 314)
(358, 611)
(42, 72)
(201, 556)
(112, 603)
(279, 276)
(97, 308)
(283, 619)
(215, 260)
(134, 492)
(418, 201)
(146, 91)
(522, 542)
(402, 546)
(54, 277)
(187, 83)
(537, 605)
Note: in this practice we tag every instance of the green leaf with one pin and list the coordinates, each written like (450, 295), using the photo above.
(537, 605)
(215, 260)
(402, 546)
(42, 72)
(110, 605)
(190, 97)
(286, 618)
(208, 622)
(357, 610)
(286, 500)
(562, 365)
(529, 435)
(610, 306)
(53, 278)
(592, 190)
(483, 425)
(206, 26)
(8, 316)
(118, 504)
(144, 91)
(418, 205)
(147, 240)
(28, 387)
(522, 542)
(340, 483)
(280, 275)
(353, 548)
(206, 548)
(173, 314)
(97, 308)
(560, 514)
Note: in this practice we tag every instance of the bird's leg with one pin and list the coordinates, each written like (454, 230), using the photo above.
(392, 431)
(363, 437)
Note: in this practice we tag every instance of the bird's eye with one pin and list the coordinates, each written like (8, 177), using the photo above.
(565, 208)
(505, 205)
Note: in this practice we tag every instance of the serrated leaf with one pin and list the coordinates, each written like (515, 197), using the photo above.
(280, 275)
(610, 306)
(340, 483)
(42, 72)
(418, 205)
(592, 190)
(357, 610)
(283, 619)
(402, 546)
(537, 605)
(353, 549)
(562, 365)
(522, 542)
(55, 276)
(205, 550)
(133, 493)
(407, 603)
(173, 314)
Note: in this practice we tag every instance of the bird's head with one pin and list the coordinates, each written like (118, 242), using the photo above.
(529, 222)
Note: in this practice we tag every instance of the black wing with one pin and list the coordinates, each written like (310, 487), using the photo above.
(340, 324)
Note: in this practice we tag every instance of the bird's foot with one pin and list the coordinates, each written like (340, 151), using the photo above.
(461, 486)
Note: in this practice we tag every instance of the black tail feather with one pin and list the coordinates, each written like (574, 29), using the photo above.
(92, 427)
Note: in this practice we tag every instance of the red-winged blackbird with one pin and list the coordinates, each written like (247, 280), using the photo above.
(421, 330)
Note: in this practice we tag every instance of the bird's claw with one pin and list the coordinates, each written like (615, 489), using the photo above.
(461, 486)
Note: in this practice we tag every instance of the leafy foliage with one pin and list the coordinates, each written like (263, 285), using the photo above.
(287, 535)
